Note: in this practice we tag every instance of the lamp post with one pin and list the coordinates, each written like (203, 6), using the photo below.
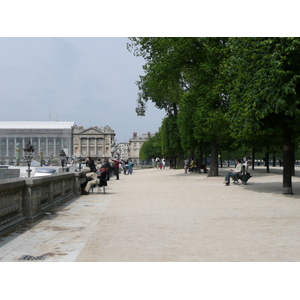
(41, 156)
(62, 158)
(79, 162)
(28, 156)
(51, 158)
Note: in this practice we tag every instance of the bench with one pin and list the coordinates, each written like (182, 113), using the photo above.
(244, 176)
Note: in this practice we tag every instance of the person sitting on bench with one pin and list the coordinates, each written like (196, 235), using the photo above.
(232, 173)
(91, 179)
(102, 178)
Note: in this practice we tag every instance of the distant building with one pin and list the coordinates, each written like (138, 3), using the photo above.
(50, 137)
(135, 144)
(123, 150)
(98, 143)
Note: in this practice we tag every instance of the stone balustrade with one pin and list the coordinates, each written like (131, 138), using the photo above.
(25, 199)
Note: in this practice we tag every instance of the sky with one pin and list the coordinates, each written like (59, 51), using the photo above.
(88, 80)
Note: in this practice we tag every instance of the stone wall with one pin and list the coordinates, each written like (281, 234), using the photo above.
(25, 199)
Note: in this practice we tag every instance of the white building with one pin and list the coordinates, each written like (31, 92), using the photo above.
(50, 137)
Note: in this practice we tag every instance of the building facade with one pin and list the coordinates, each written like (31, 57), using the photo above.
(48, 137)
(98, 143)
(135, 144)
(123, 150)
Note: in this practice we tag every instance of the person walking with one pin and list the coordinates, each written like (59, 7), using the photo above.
(130, 166)
(116, 167)
(163, 160)
(157, 161)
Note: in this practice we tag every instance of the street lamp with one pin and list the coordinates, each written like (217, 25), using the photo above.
(79, 162)
(28, 156)
(62, 158)
(41, 157)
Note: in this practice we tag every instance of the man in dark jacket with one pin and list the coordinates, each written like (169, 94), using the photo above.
(90, 164)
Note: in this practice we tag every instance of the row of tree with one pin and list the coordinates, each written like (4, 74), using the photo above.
(222, 93)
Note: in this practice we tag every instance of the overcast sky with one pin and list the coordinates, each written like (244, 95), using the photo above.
(90, 81)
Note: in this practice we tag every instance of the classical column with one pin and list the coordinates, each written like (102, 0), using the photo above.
(87, 147)
(70, 149)
(6, 147)
(39, 145)
(79, 146)
(96, 147)
(47, 149)
(54, 144)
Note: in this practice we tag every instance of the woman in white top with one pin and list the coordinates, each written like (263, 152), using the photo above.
(232, 173)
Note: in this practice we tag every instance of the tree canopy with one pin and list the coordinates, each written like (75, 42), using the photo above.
(223, 90)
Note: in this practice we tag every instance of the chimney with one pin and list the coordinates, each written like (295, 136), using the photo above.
(135, 134)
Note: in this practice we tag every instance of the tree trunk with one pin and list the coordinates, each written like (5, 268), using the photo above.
(214, 163)
(274, 160)
(253, 159)
(221, 162)
(180, 161)
(200, 159)
(228, 159)
(288, 164)
(267, 160)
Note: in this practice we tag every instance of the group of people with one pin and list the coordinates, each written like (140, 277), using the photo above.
(191, 166)
(100, 174)
(160, 163)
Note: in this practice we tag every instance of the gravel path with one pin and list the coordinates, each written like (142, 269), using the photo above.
(168, 216)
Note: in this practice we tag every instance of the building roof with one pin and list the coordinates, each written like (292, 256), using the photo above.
(36, 125)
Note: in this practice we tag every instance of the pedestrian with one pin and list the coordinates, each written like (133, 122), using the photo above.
(116, 167)
(130, 166)
(90, 164)
(157, 161)
(186, 165)
(125, 166)
(107, 166)
(163, 163)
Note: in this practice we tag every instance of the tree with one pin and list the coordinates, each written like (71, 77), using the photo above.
(184, 73)
(151, 148)
(264, 96)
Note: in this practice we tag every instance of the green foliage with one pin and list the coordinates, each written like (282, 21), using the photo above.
(232, 92)
(264, 91)
(170, 137)
(151, 148)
